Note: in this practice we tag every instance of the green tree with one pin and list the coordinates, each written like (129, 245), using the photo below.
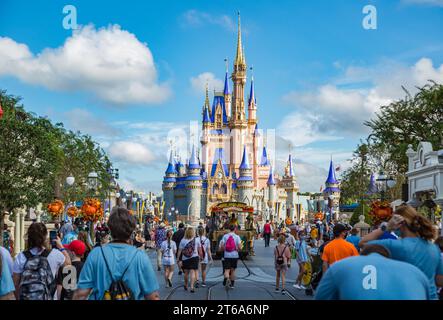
(363, 208)
(28, 158)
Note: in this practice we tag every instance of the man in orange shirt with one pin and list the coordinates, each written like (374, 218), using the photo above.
(338, 248)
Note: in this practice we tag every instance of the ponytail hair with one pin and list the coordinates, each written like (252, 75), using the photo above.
(417, 223)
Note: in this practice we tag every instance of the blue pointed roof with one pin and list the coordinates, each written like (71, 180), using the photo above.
(331, 176)
(372, 185)
(256, 133)
(219, 100)
(271, 180)
(226, 89)
(206, 117)
(264, 158)
(193, 161)
(171, 168)
(219, 155)
(245, 161)
(252, 93)
(291, 169)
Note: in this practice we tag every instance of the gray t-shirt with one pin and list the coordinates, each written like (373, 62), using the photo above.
(237, 239)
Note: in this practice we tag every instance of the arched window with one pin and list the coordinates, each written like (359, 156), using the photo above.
(224, 189)
(215, 189)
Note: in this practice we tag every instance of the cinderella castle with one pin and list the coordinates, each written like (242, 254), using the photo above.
(232, 163)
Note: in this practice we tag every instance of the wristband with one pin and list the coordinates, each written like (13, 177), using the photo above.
(62, 249)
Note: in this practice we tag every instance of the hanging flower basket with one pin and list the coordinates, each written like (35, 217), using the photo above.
(380, 212)
(73, 211)
(92, 210)
(56, 208)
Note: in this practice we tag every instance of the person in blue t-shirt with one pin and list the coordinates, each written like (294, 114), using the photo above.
(354, 238)
(118, 260)
(6, 284)
(415, 245)
(373, 276)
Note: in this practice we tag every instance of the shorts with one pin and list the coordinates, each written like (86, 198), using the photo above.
(190, 264)
(281, 267)
(230, 263)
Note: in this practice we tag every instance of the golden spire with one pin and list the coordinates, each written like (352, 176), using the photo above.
(239, 59)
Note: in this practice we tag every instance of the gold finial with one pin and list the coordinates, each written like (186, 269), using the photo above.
(226, 64)
(207, 95)
(239, 59)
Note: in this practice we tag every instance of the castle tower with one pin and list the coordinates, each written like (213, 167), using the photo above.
(194, 187)
(332, 191)
(272, 194)
(169, 182)
(245, 182)
(227, 93)
(291, 187)
(252, 105)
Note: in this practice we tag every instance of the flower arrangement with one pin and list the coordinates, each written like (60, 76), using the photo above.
(92, 210)
(380, 212)
(73, 211)
(56, 208)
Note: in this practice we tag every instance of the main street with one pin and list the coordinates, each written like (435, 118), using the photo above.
(255, 280)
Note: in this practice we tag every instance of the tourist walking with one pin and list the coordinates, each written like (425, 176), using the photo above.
(117, 270)
(67, 274)
(302, 257)
(160, 236)
(177, 238)
(35, 269)
(206, 255)
(267, 231)
(338, 248)
(354, 238)
(373, 276)
(7, 259)
(415, 245)
(169, 251)
(282, 258)
(230, 244)
(189, 252)
(6, 284)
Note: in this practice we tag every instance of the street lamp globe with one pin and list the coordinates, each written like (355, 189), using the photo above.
(390, 183)
(93, 180)
(70, 180)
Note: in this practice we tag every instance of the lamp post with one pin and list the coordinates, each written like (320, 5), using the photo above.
(385, 183)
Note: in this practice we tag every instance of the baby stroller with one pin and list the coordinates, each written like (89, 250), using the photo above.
(313, 272)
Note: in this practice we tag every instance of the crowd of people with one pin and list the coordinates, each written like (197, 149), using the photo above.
(399, 259)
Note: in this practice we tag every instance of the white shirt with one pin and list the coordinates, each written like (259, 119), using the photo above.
(290, 241)
(55, 260)
(168, 258)
(237, 239)
(206, 245)
(183, 244)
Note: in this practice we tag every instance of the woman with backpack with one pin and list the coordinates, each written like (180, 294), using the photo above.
(37, 262)
(189, 252)
(206, 256)
(169, 250)
(282, 257)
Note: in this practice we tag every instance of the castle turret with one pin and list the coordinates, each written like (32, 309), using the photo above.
(227, 93)
(194, 187)
(289, 183)
(245, 182)
(169, 182)
(252, 105)
(272, 193)
(332, 192)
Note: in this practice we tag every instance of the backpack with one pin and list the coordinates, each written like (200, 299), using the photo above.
(280, 260)
(202, 244)
(230, 244)
(37, 281)
(188, 250)
(118, 289)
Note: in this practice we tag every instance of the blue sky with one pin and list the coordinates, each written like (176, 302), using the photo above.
(134, 72)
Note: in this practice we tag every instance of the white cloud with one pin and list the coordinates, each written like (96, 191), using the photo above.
(84, 121)
(438, 3)
(199, 18)
(109, 62)
(131, 152)
(339, 109)
(199, 82)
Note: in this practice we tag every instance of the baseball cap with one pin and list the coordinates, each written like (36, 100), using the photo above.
(339, 228)
(76, 246)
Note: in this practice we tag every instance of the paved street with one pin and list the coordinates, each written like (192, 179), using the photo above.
(255, 280)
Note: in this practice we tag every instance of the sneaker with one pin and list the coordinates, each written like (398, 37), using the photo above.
(277, 289)
(203, 284)
(196, 284)
(296, 286)
(283, 291)
(180, 273)
(302, 287)
(231, 286)
(192, 291)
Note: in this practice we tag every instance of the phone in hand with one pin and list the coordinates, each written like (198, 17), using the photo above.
(52, 237)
